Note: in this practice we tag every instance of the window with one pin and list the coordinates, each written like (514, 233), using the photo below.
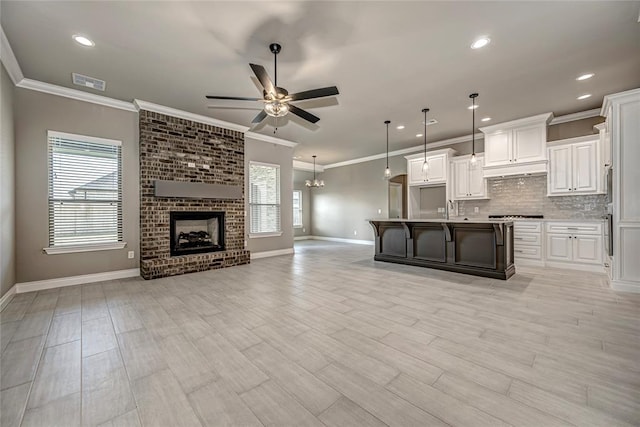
(297, 208)
(264, 199)
(85, 192)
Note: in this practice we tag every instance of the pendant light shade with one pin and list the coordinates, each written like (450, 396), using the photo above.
(387, 171)
(473, 97)
(315, 182)
(425, 164)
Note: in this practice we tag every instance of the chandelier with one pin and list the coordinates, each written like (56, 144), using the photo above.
(315, 182)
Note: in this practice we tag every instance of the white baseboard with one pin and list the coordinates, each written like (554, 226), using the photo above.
(303, 237)
(621, 286)
(592, 268)
(266, 254)
(40, 285)
(341, 240)
(7, 297)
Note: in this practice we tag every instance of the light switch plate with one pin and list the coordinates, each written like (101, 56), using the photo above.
(131, 254)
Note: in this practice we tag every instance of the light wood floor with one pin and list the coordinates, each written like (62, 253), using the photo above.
(325, 337)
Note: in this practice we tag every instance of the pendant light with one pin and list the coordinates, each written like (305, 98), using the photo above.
(315, 182)
(473, 97)
(387, 171)
(425, 165)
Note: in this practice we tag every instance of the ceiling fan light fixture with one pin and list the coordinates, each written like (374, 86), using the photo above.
(276, 108)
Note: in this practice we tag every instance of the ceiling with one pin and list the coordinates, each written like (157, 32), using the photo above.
(388, 59)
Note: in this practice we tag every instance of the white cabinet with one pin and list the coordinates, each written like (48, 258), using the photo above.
(437, 171)
(573, 168)
(574, 242)
(527, 242)
(516, 147)
(467, 179)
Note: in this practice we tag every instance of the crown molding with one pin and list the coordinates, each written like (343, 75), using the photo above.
(306, 166)
(430, 146)
(271, 139)
(9, 59)
(75, 94)
(575, 116)
(161, 109)
(608, 100)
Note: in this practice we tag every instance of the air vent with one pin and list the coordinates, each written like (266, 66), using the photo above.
(89, 82)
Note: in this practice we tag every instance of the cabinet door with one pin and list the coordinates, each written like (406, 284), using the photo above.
(460, 176)
(529, 144)
(476, 179)
(559, 247)
(560, 170)
(587, 249)
(415, 171)
(497, 149)
(585, 167)
(437, 168)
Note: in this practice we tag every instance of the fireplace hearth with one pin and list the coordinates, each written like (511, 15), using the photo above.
(196, 232)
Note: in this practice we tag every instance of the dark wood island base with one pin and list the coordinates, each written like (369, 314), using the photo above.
(481, 248)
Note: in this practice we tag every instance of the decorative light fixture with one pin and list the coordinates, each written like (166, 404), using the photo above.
(425, 165)
(387, 171)
(84, 41)
(473, 97)
(276, 108)
(315, 182)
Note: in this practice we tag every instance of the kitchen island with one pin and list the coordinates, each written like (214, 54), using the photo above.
(481, 248)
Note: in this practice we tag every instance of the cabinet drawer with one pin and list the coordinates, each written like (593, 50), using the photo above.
(527, 227)
(574, 227)
(532, 252)
(526, 239)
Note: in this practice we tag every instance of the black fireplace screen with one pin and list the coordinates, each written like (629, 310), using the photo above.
(196, 232)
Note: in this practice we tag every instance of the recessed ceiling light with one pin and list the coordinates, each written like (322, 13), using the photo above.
(585, 96)
(83, 40)
(486, 119)
(418, 135)
(473, 107)
(585, 76)
(480, 42)
(400, 127)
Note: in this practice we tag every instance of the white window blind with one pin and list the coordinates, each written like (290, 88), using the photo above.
(264, 198)
(85, 190)
(297, 208)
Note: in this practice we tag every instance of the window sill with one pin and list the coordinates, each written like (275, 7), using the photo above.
(298, 226)
(83, 248)
(260, 235)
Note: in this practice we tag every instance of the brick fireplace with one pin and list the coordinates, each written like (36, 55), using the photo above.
(184, 153)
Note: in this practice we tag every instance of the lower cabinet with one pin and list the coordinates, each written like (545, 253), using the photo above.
(577, 243)
(527, 242)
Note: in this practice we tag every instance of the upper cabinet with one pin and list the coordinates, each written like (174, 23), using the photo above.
(516, 147)
(573, 167)
(437, 171)
(467, 180)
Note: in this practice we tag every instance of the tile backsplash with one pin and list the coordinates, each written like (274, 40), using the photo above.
(528, 195)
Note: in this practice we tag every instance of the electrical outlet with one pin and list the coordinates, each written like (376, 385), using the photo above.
(131, 254)
(355, 232)
(206, 166)
(191, 164)
(379, 211)
(304, 230)
(476, 209)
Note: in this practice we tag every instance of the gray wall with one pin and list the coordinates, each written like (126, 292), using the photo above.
(573, 129)
(299, 178)
(351, 195)
(35, 113)
(7, 185)
(260, 151)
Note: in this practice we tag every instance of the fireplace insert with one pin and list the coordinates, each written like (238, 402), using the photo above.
(196, 232)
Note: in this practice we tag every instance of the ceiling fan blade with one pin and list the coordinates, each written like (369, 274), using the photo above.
(303, 114)
(260, 117)
(315, 93)
(236, 98)
(263, 77)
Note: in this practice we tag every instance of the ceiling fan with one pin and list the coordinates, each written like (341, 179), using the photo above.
(277, 101)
